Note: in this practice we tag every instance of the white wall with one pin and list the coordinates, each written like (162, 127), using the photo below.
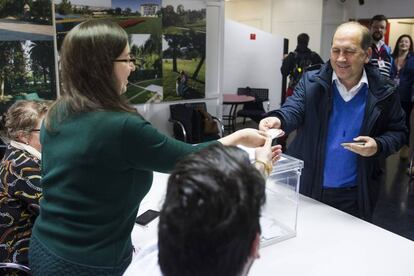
(318, 18)
(282, 18)
(158, 114)
(286, 18)
(241, 11)
(334, 13)
(253, 63)
(291, 18)
(390, 8)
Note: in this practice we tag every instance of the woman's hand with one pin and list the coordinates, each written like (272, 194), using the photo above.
(267, 153)
(276, 152)
(266, 156)
(247, 137)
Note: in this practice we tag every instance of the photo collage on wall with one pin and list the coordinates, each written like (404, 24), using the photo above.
(27, 56)
(167, 39)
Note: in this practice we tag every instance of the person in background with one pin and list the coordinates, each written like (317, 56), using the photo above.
(298, 61)
(209, 221)
(381, 53)
(294, 65)
(20, 189)
(98, 158)
(178, 87)
(403, 74)
(349, 118)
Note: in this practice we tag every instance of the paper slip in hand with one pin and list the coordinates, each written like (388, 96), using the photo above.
(275, 133)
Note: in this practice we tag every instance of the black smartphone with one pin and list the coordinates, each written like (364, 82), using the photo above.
(147, 217)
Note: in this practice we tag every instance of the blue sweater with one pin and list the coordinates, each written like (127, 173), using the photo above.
(340, 168)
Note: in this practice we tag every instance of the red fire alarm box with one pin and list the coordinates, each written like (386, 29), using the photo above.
(252, 36)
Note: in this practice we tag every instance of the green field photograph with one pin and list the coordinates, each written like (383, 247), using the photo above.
(135, 16)
(184, 50)
(145, 83)
(172, 80)
(26, 20)
(138, 16)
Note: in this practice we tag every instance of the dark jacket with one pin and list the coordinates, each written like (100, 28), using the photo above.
(20, 192)
(303, 57)
(308, 110)
(406, 76)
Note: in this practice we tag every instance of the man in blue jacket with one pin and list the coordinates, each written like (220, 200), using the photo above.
(348, 119)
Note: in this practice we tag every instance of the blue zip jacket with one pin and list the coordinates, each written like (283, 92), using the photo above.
(308, 110)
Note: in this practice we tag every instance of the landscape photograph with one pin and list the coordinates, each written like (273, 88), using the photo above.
(145, 83)
(184, 50)
(26, 20)
(27, 71)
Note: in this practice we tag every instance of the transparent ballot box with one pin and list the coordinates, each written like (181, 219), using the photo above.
(279, 214)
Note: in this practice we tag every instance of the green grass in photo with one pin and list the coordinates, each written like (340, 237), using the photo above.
(197, 26)
(137, 95)
(170, 77)
(151, 25)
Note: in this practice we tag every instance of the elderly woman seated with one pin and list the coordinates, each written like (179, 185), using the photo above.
(20, 180)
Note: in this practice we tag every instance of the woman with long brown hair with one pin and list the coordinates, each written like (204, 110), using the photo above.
(98, 158)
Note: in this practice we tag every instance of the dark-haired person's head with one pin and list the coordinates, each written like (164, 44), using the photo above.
(303, 39)
(404, 43)
(209, 223)
(378, 26)
(94, 65)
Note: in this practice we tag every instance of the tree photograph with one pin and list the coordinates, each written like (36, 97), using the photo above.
(184, 50)
(145, 83)
(26, 20)
(27, 71)
(135, 16)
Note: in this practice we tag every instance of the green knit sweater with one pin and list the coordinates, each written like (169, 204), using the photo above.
(96, 169)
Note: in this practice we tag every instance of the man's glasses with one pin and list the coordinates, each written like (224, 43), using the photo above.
(127, 60)
(35, 130)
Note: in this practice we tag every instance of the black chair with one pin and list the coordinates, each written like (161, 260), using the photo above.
(189, 123)
(14, 269)
(254, 110)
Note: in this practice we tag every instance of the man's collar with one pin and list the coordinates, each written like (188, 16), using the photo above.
(379, 43)
(364, 79)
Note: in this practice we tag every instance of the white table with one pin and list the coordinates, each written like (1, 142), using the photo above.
(328, 242)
